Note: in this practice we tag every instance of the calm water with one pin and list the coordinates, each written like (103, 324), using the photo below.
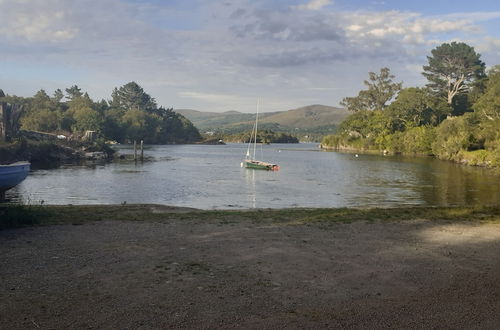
(210, 177)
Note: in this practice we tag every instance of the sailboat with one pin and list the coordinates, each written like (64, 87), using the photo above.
(250, 161)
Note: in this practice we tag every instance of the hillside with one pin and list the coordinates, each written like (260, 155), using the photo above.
(307, 118)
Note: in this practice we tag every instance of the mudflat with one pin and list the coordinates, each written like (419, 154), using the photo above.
(231, 271)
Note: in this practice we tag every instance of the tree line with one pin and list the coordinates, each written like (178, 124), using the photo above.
(263, 136)
(131, 114)
(456, 116)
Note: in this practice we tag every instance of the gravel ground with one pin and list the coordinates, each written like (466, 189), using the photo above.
(194, 274)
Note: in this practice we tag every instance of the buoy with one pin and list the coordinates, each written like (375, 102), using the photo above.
(356, 155)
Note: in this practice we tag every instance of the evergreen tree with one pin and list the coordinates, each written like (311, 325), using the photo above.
(132, 96)
(452, 69)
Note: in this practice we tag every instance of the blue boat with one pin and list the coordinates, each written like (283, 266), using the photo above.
(11, 175)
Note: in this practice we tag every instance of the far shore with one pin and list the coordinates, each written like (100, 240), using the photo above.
(155, 266)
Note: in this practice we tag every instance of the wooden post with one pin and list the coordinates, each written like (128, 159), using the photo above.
(135, 150)
(4, 121)
(142, 150)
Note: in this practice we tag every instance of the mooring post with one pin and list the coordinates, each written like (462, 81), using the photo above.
(142, 150)
(135, 150)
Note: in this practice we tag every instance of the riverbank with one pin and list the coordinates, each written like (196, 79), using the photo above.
(480, 158)
(42, 152)
(152, 266)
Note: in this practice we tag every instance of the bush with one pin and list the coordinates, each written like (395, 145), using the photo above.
(479, 158)
(453, 136)
(418, 140)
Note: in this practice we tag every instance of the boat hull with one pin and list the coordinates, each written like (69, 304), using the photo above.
(258, 165)
(13, 174)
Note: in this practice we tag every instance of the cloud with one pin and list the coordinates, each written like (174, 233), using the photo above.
(288, 26)
(209, 97)
(287, 58)
(478, 16)
(223, 53)
(36, 21)
(407, 27)
(315, 4)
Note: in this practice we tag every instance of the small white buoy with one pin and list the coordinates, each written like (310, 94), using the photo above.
(241, 164)
(356, 155)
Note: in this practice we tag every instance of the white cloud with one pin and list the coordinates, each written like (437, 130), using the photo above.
(315, 4)
(36, 21)
(411, 28)
(489, 45)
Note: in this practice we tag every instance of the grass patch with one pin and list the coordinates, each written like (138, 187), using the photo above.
(21, 215)
(15, 216)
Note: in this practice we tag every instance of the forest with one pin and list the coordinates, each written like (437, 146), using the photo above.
(456, 116)
(131, 114)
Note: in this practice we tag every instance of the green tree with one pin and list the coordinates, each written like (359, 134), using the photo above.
(80, 107)
(73, 92)
(452, 69)
(132, 96)
(488, 105)
(381, 89)
(140, 125)
(58, 95)
(41, 120)
(41, 100)
(416, 107)
(87, 119)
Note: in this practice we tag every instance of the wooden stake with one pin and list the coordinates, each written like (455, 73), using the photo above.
(135, 150)
(142, 150)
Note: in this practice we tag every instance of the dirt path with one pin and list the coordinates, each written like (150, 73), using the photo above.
(189, 274)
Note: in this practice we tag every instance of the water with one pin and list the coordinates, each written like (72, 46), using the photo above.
(210, 177)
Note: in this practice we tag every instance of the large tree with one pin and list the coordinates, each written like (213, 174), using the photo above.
(381, 89)
(453, 68)
(488, 105)
(132, 96)
(415, 107)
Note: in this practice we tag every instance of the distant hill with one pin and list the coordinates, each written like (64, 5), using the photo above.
(310, 118)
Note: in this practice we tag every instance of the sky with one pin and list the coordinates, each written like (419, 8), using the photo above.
(221, 55)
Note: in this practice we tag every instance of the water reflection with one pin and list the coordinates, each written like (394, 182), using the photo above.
(211, 177)
(250, 185)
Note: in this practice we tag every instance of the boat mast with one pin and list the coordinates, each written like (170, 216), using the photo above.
(256, 123)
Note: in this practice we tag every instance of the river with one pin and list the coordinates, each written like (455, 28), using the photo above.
(210, 177)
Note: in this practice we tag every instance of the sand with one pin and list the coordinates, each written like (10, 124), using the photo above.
(197, 275)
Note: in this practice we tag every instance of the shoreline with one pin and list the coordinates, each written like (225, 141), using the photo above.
(462, 161)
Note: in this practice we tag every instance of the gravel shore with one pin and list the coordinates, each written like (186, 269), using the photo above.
(417, 274)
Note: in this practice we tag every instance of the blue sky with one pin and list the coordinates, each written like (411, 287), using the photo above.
(224, 55)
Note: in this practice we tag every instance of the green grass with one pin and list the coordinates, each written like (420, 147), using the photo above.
(13, 216)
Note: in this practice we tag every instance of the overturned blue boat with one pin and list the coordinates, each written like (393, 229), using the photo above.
(11, 175)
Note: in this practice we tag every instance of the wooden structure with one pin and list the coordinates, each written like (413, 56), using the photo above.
(9, 120)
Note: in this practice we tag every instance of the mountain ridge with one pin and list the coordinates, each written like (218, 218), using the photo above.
(303, 118)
